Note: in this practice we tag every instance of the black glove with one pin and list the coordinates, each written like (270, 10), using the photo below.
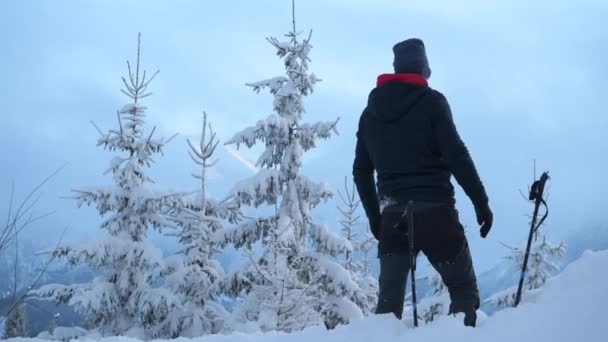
(376, 228)
(484, 219)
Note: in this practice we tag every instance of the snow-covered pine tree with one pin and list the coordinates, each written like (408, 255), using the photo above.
(126, 296)
(357, 262)
(348, 223)
(292, 280)
(196, 274)
(366, 247)
(15, 324)
(541, 262)
(541, 266)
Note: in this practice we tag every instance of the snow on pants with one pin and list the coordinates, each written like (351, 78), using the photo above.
(440, 236)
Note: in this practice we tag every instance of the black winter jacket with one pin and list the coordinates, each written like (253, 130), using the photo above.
(407, 135)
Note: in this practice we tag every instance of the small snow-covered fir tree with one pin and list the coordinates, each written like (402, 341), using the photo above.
(541, 262)
(15, 324)
(348, 223)
(541, 266)
(52, 325)
(357, 262)
(197, 276)
(366, 248)
(126, 296)
(292, 279)
(88, 324)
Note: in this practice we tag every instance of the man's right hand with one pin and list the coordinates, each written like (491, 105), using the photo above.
(485, 218)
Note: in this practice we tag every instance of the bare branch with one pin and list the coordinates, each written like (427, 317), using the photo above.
(130, 88)
(14, 224)
(129, 95)
(150, 136)
(35, 283)
(196, 160)
(119, 122)
(143, 80)
(97, 128)
(138, 54)
(130, 75)
(293, 15)
(195, 150)
(212, 163)
(151, 78)
(10, 205)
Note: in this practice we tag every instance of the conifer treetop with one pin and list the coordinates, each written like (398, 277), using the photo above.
(130, 136)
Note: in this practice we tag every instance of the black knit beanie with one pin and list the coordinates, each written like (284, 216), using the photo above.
(410, 57)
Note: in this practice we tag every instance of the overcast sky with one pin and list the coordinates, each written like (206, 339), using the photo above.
(526, 80)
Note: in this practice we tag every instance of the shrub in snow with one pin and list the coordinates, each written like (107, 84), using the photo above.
(15, 323)
(126, 295)
(292, 279)
(52, 325)
(65, 334)
(541, 266)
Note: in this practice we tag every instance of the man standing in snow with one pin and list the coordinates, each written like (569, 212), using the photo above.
(407, 135)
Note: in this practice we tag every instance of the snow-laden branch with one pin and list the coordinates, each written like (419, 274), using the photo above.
(274, 130)
(264, 187)
(328, 242)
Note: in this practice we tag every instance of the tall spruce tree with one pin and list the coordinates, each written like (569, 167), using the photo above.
(292, 279)
(126, 296)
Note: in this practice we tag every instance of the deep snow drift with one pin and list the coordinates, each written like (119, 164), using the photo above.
(571, 307)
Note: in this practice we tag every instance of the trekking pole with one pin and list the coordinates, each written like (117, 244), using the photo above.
(412, 252)
(536, 194)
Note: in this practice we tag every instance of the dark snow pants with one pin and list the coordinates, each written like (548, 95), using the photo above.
(440, 236)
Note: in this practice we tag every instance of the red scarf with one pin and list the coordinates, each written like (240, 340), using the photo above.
(407, 78)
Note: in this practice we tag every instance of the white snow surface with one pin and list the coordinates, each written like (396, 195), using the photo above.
(571, 307)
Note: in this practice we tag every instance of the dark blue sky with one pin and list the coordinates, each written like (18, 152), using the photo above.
(525, 80)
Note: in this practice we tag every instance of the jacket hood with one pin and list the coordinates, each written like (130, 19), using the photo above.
(395, 96)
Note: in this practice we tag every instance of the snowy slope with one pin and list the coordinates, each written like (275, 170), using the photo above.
(571, 307)
(504, 275)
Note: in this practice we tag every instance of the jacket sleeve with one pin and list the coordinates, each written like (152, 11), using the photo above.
(455, 153)
(363, 175)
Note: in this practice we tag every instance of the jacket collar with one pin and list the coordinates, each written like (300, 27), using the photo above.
(406, 78)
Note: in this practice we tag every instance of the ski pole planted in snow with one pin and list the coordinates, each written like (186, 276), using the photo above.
(536, 195)
(412, 252)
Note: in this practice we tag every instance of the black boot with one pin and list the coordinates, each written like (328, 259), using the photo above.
(470, 319)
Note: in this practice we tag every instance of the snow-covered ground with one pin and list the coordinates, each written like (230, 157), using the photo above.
(571, 307)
